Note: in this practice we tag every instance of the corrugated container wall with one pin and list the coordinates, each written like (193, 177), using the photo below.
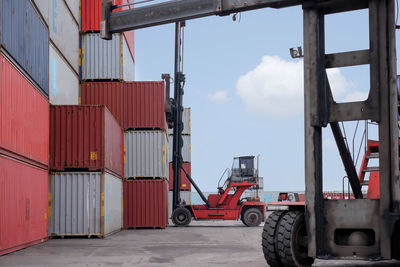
(25, 37)
(106, 60)
(185, 183)
(186, 197)
(91, 17)
(64, 32)
(85, 203)
(23, 205)
(144, 105)
(64, 82)
(186, 119)
(186, 149)
(24, 117)
(104, 93)
(85, 137)
(145, 204)
(145, 154)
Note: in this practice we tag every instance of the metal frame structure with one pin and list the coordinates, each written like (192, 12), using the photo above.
(325, 219)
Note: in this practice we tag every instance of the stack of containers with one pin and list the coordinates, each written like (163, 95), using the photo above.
(24, 124)
(185, 186)
(86, 178)
(140, 109)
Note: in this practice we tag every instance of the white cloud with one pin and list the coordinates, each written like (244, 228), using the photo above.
(220, 95)
(275, 88)
(329, 144)
(356, 96)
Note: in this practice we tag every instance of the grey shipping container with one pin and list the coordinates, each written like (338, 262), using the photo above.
(186, 123)
(25, 37)
(85, 204)
(145, 154)
(186, 196)
(110, 60)
(186, 149)
(64, 82)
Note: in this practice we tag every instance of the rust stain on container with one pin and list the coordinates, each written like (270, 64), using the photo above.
(185, 184)
(104, 93)
(24, 117)
(144, 105)
(85, 138)
(145, 204)
(23, 205)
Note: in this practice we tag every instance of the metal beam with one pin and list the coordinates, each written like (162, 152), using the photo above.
(178, 10)
(346, 59)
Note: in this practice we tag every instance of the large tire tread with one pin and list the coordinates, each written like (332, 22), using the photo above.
(269, 238)
(284, 244)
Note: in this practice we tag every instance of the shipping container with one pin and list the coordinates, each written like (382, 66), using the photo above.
(43, 8)
(85, 204)
(104, 93)
(144, 105)
(145, 204)
(74, 6)
(186, 197)
(106, 60)
(25, 37)
(64, 32)
(24, 117)
(64, 82)
(186, 149)
(145, 154)
(91, 17)
(185, 183)
(23, 205)
(85, 138)
(186, 123)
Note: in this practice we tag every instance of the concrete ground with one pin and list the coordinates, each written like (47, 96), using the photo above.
(206, 243)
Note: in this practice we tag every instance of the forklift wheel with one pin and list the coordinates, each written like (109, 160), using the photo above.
(269, 238)
(292, 245)
(181, 216)
(252, 217)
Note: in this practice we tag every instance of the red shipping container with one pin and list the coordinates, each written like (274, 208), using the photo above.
(91, 18)
(24, 117)
(23, 205)
(85, 138)
(145, 204)
(144, 105)
(185, 184)
(104, 93)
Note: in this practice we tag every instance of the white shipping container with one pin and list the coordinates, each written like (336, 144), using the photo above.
(43, 7)
(85, 204)
(64, 82)
(73, 5)
(145, 154)
(64, 32)
(186, 149)
(185, 196)
(186, 123)
(110, 60)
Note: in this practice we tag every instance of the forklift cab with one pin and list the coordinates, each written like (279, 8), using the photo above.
(243, 167)
(242, 170)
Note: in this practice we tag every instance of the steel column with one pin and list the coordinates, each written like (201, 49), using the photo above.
(313, 50)
(383, 77)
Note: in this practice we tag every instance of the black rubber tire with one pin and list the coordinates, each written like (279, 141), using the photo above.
(269, 238)
(292, 240)
(252, 217)
(181, 216)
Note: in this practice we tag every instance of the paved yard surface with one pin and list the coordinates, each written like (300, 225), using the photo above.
(200, 244)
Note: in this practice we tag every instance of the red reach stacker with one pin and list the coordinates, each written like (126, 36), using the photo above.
(228, 204)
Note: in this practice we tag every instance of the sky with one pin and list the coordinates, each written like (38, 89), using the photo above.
(246, 92)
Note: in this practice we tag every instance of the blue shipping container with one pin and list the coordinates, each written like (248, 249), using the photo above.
(25, 38)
